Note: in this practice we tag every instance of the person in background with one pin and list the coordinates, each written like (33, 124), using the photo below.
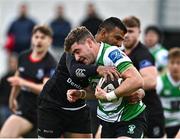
(145, 64)
(92, 20)
(61, 27)
(5, 89)
(20, 31)
(168, 88)
(35, 66)
(153, 40)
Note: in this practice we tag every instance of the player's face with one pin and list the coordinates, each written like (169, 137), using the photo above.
(114, 37)
(40, 42)
(83, 52)
(174, 67)
(150, 39)
(131, 37)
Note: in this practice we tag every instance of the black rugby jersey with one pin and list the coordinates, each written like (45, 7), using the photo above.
(34, 71)
(56, 88)
(142, 58)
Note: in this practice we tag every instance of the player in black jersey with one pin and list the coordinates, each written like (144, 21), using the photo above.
(144, 62)
(35, 66)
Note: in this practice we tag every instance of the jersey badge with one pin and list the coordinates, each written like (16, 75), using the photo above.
(40, 73)
(115, 55)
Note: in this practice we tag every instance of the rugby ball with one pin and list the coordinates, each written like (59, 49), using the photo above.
(109, 85)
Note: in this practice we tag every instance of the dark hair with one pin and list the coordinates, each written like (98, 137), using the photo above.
(174, 53)
(111, 23)
(43, 29)
(156, 30)
(132, 21)
(77, 35)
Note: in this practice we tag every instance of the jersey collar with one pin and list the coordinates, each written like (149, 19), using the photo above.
(100, 51)
(174, 83)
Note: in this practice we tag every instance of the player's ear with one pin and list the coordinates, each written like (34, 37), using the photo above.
(89, 41)
(103, 33)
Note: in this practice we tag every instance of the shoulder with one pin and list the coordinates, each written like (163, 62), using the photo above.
(115, 55)
(51, 59)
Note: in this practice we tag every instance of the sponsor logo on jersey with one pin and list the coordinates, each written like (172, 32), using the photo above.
(80, 72)
(115, 55)
(40, 73)
(69, 80)
(145, 63)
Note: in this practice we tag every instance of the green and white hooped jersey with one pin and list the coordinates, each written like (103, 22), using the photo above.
(120, 109)
(169, 92)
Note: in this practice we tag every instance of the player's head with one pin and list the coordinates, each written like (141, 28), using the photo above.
(82, 44)
(111, 31)
(41, 38)
(133, 26)
(174, 62)
(152, 36)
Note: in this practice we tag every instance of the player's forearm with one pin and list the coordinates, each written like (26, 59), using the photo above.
(128, 87)
(132, 83)
(14, 92)
(149, 82)
(149, 76)
(34, 87)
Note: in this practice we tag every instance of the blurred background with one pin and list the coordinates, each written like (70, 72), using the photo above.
(163, 13)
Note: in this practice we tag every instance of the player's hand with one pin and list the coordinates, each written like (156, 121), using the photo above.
(108, 71)
(15, 81)
(13, 105)
(136, 96)
(73, 95)
(100, 93)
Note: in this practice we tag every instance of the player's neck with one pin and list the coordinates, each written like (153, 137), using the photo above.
(38, 55)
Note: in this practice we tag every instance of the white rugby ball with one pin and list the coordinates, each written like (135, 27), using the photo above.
(109, 85)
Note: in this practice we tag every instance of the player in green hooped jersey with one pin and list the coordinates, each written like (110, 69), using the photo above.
(168, 88)
(113, 107)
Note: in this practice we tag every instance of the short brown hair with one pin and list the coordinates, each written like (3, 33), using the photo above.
(174, 53)
(43, 29)
(77, 35)
(132, 21)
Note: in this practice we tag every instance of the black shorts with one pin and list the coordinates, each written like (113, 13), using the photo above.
(172, 131)
(134, 128)
(156, 126)
(53, 121)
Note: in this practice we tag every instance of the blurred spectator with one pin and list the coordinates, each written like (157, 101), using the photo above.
(19, 32)
(168, 87)
(152, 39)
(92, 21)
(61, 27)
(5, 89)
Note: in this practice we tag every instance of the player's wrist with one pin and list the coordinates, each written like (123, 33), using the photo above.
(111, 96)
(82, 94)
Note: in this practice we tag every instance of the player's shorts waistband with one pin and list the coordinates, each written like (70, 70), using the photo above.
(74, 109)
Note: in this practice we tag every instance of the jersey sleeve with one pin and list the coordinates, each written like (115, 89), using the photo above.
(144, 59)
(115, 57)
(79, 70)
